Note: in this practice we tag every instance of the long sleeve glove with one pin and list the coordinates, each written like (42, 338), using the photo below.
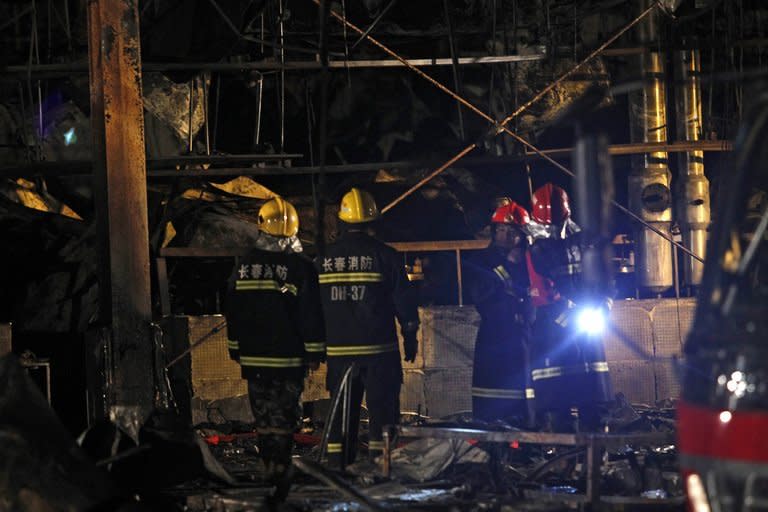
(410, 346)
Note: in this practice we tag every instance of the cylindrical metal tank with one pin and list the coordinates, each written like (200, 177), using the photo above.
(649, 181)
(692, 201)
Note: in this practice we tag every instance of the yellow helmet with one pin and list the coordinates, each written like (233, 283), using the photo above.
(358, 206)
(278, 217)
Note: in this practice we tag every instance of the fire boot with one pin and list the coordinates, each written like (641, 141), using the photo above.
(276, 453)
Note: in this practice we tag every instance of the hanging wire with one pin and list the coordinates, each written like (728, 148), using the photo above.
(216, 111)
(206, 76)
(310, 120)
(67, 27)
(50, 32)
(741, 58)
(261, 36)
(575, 30)
(515, 66)
(281, 14)
(712, 50)
(310, 144)
(506, 72)
(191, 109)
(259, 108)
(455, 66)
(346, 43)
(493, 52)
(24, 134)
(34, 56)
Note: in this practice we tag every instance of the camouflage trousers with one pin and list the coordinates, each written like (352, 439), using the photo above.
(277, 413)
(275, 403)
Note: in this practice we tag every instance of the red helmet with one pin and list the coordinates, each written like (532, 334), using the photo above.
(511, 213)
(550, 205)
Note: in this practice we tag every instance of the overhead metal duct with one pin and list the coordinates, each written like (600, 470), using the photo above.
(649, 180)
(692, 197)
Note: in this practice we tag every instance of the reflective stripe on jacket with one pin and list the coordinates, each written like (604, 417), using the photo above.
(364, 287)
(274, 314)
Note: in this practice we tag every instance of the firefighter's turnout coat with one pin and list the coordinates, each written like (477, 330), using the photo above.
(274, 317)
(569, 368)
(364, 287)
(500, 373)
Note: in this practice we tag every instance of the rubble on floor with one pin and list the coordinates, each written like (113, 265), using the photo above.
(216, 466)
(441, 474)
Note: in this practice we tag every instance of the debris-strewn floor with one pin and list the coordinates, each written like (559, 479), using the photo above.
(218, 468)
(452, 474)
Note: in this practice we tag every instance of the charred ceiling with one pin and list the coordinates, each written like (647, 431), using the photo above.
(244, 80)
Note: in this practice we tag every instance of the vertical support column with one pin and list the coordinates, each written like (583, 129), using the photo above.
(117, 120)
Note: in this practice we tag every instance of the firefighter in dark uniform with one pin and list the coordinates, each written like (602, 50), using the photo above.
(364, 287)
(498, 286)
(275, 331)
(569, 366)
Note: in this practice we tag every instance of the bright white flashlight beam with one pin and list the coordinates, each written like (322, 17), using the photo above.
(591, 321)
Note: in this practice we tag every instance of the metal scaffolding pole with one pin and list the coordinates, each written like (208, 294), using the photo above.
(117, 120)
(64, 70)
(242, 165)
(500, 127)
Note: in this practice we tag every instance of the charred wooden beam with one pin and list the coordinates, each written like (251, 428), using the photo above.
(117, 119)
